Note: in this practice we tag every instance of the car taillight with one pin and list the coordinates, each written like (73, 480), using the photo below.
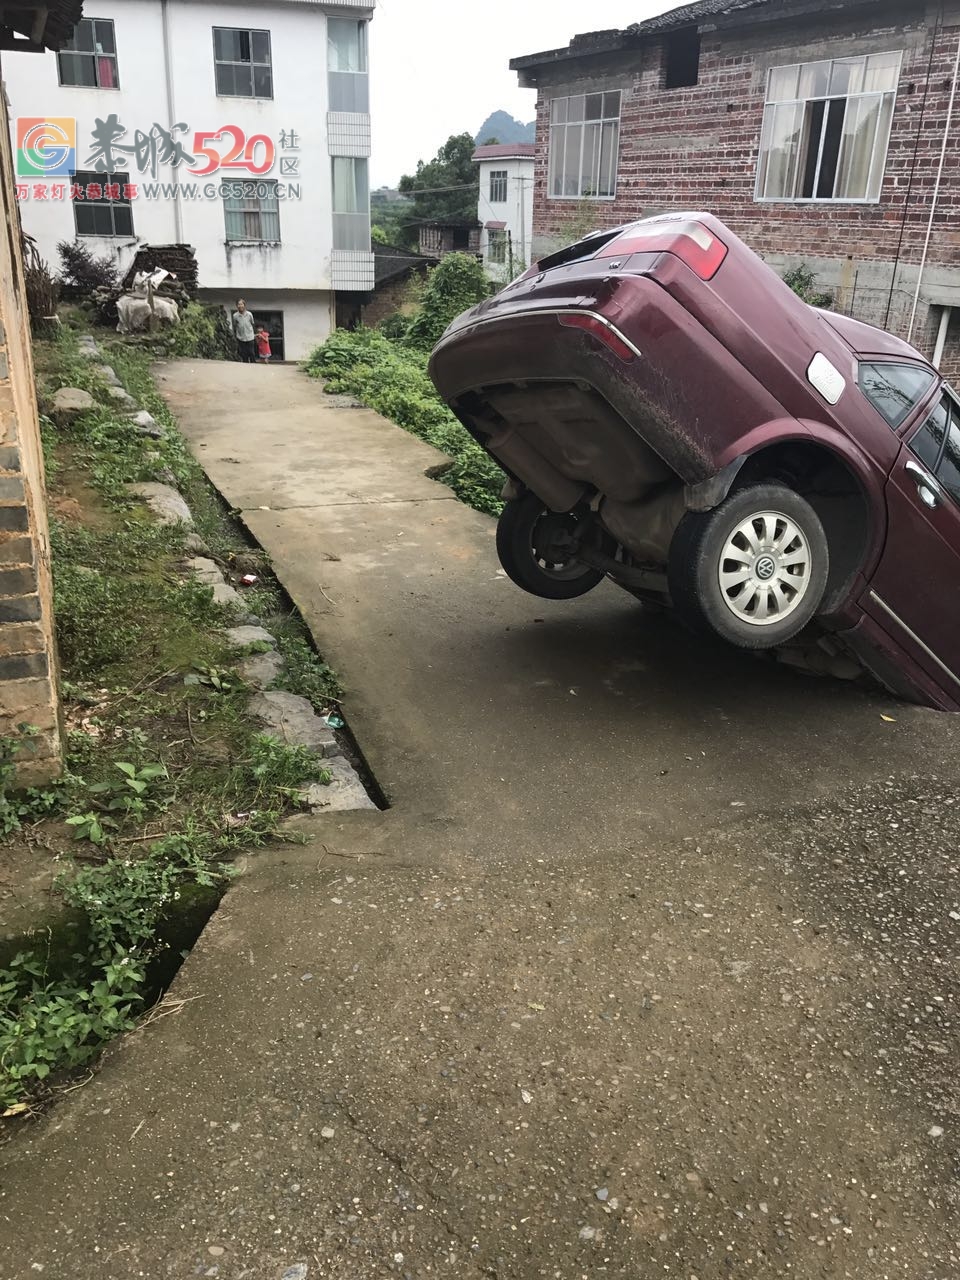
(601, 330)
(691, 242)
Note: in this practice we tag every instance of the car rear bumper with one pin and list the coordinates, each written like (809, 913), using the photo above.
(682, 393)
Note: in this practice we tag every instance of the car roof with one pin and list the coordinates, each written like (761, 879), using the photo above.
(867, 339)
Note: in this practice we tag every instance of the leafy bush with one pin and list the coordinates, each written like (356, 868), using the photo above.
(82, 272)
(453, 286)
(802, 280)
(203, 332)
(393, 380)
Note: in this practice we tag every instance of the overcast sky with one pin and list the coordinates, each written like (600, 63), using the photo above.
(439, 67)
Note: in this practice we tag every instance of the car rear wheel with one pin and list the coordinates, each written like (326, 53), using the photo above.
(537, 548)
(754, 569)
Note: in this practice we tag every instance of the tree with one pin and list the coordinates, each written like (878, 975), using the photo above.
(447, 187)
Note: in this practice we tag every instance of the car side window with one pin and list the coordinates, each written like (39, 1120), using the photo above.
(937, 445)
(948, 473)
(927, 444)
(894, 389)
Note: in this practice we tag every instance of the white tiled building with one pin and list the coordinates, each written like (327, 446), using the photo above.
(273, 100)
(505, 208)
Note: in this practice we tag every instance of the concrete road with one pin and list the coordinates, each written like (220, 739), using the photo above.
(649, 969)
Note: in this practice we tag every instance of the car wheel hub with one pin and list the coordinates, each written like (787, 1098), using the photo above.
(765, 567)
(553, 543)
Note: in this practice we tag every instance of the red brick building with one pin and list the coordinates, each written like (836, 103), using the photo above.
(825, 132)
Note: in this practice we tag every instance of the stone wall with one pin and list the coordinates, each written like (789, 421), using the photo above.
(28, 682)
(697, 148)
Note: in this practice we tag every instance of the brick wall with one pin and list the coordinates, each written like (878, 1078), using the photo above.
(697, 148)
(387, 301)
(27, 664)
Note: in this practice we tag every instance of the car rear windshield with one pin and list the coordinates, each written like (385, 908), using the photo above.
(894, 389)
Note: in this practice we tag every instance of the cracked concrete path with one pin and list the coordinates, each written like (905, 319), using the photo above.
(650, 968)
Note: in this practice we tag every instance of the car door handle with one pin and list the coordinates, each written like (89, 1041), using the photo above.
(927, 487)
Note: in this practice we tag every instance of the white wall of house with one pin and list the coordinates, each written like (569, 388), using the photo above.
(516, 212)
(154, 88)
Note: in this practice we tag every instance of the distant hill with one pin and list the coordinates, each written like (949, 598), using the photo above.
(502, 126)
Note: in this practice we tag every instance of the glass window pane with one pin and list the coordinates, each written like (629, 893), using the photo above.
(593, 106)
(814, 79)
(83, 38)
(226, 80)
(262, 82)
(260, 46)
(856, 152)
(104, 37)
(83, 216)
(558, 111)
(780, 151)
(556, 159)
(102, 219)
(611, 105)
(345, 49)
(883, 72)
(927, 442)
(847, 75)
(783, 84)
(243, 45)
(949, 470)
(78, 69)
(226, 45)
(590, 170)
(571, 160)
(608, 160)
(107, 72)
(881, 144)
(894, 389)
(123, 219)
(575, 108)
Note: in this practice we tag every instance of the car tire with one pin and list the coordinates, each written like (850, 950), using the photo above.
(530, 541)
(753, 570)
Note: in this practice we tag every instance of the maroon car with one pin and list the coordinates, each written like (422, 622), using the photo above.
(672, 416)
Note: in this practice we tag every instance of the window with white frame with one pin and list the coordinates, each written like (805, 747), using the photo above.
(497, 247)
(498, 186)
(826, 127)
(251, 211)
(347, 65)
(351, 204)
(584, 143)
(242, 63)
(89, 58)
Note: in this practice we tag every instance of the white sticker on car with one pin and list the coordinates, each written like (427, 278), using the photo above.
(826, 378)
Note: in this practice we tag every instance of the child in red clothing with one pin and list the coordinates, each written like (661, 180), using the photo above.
(263, 345)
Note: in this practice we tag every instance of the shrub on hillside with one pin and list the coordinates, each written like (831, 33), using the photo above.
(453, 286)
